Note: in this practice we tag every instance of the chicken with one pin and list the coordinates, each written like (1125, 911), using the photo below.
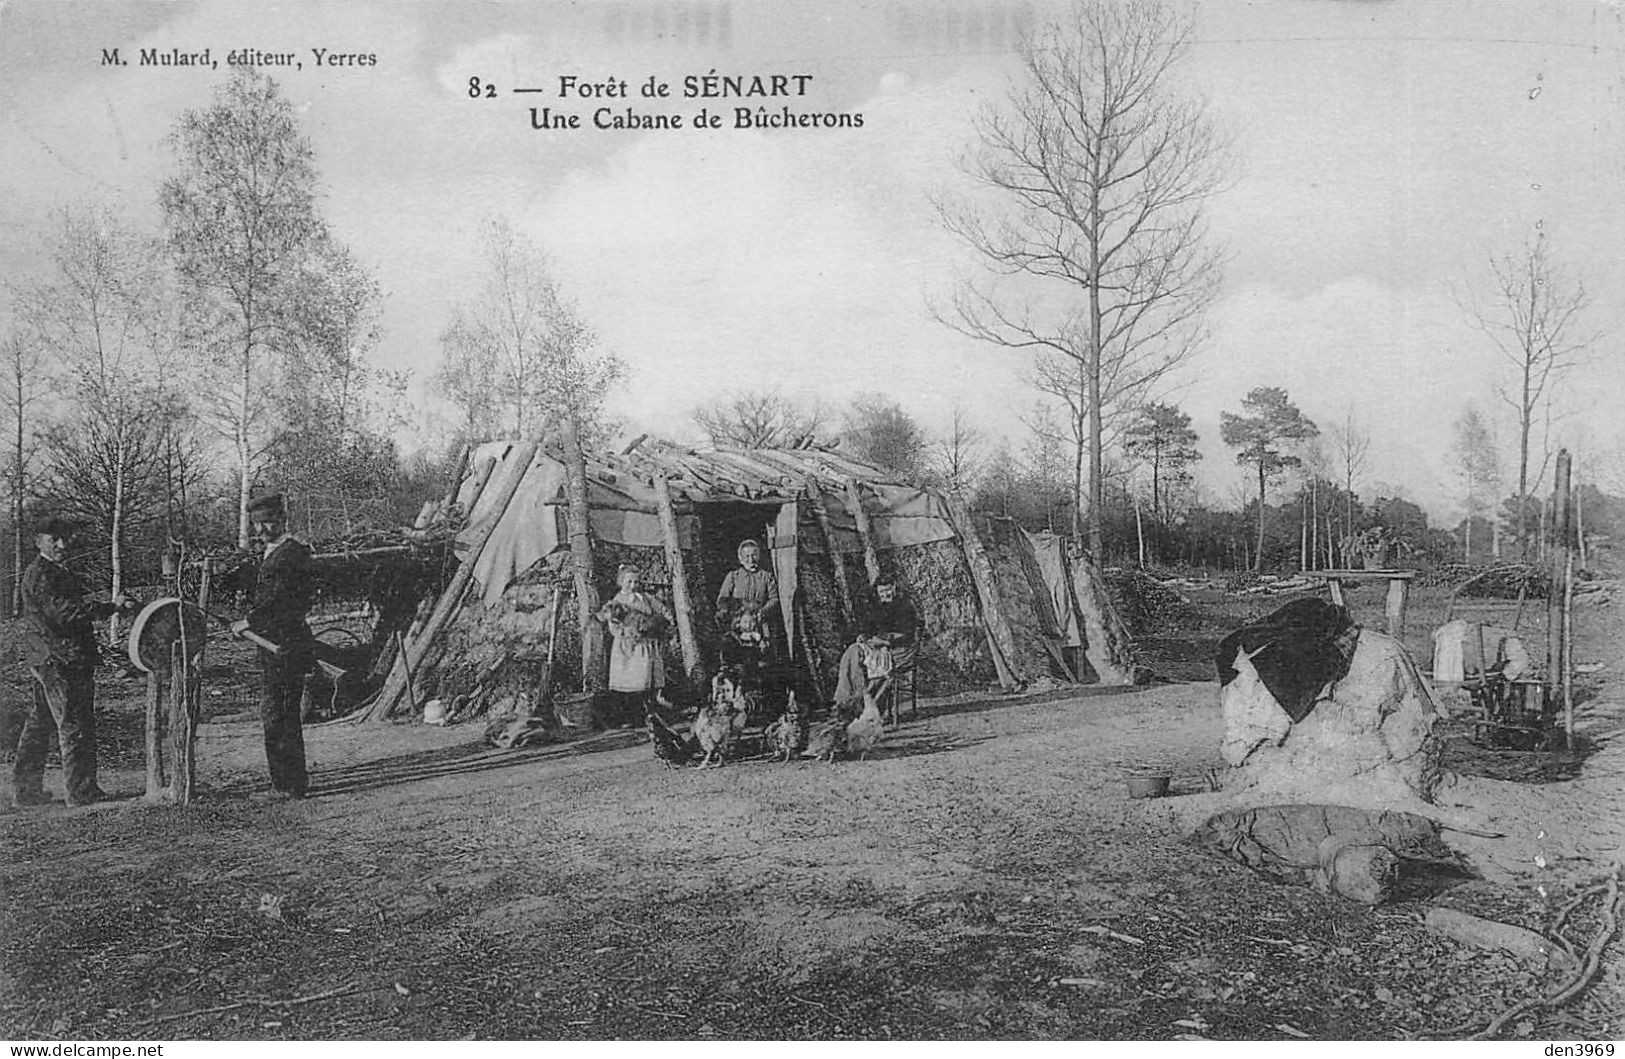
(675, 750)
(863, 734)
(719, 721)
(787, 735)
(825, 739)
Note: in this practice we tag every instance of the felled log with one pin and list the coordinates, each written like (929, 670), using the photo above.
(1489, 934)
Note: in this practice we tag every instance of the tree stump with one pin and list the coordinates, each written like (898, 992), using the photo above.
(167, 641)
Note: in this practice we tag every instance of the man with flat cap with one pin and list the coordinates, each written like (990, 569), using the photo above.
(59, 647)
(283, 591)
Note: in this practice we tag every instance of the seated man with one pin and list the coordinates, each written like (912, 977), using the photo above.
(886, 644)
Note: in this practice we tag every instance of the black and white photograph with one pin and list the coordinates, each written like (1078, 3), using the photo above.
(879, 520)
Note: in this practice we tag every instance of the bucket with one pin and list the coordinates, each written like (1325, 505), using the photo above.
(1148, 781)
(574, 711)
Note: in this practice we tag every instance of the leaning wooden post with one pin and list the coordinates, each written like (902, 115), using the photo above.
(156, 781)
(1560, 521)
(1559, 600)
(871, 558)
(1106, 643)
(184, 687)
(843, 588)
(452, 598)
(594, 658)
(1000, 639)
(1568, 656)
(681, 604)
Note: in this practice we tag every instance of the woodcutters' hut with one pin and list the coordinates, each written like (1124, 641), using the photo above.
(540, 547)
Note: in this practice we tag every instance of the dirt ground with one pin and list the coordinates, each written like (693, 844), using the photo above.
(983, 875)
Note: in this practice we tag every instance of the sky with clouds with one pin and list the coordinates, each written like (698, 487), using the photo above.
(1384, 150)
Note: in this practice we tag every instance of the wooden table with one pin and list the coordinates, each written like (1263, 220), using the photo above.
(1398, 589)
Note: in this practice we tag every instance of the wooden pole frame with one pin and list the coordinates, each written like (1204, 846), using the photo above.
(173, 705)
(594, 655)
(1000, 639)
(682, 602)
(414, 652)
(1556, 614)
(843, 587)
(866, 534)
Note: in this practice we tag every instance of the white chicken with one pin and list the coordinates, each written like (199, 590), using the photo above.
(863, 734)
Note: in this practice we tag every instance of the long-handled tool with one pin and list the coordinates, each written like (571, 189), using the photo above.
(247, 634)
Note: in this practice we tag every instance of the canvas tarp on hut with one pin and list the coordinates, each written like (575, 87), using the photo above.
(830, 526)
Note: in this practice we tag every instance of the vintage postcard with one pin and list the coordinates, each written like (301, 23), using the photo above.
(718, 520)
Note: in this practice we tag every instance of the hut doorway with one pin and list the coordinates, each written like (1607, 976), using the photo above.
(759, 656)
(722, 528)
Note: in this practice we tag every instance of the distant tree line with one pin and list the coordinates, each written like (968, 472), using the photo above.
(1292, 509)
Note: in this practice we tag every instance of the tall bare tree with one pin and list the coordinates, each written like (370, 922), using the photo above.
(334, 406)
(1350, 443)
(519, 345)
(242, 226)
(22, 358)
(956, 456)
(1101, 266)
(97, 309)
(1533, 318)
(761, 419)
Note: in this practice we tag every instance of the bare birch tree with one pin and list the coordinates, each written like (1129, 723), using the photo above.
(1098, 250)
(519, 345)
(97, 312)
(1533, 318)
(1350, 443)
(23, 358)
(242, 224)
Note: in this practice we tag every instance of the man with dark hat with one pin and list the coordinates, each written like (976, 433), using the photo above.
(283, 592)
(59, 647)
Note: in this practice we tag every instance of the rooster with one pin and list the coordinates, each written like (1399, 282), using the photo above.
(675, 750)
(787, 735)
(719, 721)
(863, 734)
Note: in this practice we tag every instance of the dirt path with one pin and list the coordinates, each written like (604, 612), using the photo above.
(983, 876)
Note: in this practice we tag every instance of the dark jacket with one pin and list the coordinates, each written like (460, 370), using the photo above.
(899, 618)
(57, 615)
(283, 592)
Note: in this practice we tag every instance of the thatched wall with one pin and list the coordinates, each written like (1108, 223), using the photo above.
(937, 580)
(508, 639)
(1006, 550)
